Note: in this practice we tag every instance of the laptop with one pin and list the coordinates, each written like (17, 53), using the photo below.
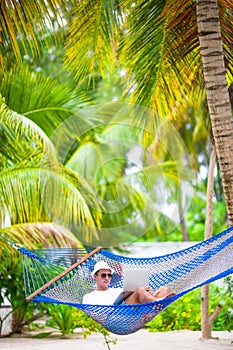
(133, 279)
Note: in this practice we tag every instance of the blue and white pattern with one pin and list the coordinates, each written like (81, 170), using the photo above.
(181, 271)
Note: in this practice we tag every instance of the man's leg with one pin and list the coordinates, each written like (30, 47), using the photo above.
(141, 295)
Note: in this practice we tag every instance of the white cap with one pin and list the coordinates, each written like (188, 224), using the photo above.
(101, 265)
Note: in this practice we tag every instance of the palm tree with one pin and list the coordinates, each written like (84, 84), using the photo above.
(218, 99)
(67, 162)
(161, 45)
(135, 49)
(162, 49)
(29, 164)
(158, 44)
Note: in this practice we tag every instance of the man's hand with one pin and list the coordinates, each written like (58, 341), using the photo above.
(148, 289)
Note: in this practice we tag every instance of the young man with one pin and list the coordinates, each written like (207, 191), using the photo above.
(103, 295)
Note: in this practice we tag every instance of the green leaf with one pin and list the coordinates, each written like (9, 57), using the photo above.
(24, 24)
(40, 99)
(95, 24)
(42, 335)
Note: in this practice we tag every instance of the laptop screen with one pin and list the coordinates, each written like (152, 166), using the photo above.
(134, 279)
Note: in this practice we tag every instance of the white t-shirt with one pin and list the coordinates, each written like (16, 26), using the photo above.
(99, 297)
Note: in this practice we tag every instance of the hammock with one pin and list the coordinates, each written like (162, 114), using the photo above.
(55, 276)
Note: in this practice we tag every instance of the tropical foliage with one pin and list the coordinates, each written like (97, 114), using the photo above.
(75, 170)
(30, 166)
(186, 314)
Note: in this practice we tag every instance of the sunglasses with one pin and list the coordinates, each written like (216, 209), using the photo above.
(104, 275)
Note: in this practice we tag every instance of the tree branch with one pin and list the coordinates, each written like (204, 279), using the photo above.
(215, 314)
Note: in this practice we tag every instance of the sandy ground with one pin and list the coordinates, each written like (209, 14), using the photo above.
(176, 340)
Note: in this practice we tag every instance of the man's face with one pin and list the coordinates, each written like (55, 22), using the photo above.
(103, 278)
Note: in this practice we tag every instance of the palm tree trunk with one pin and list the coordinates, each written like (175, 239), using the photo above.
(217, 93)
(183, 223)
(205, 322)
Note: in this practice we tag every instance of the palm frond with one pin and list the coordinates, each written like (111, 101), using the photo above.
(97, 163)
(34, 235)
(175, 61)
(23, 24)
(159, 48)
(155, 78)
(41, 99)
(37, 195)
(33, 187)
(135, 203)
(95, 24)
(182, 25)
(22, 142)
(102, 157)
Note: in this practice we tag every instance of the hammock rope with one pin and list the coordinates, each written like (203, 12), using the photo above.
(63, 276)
